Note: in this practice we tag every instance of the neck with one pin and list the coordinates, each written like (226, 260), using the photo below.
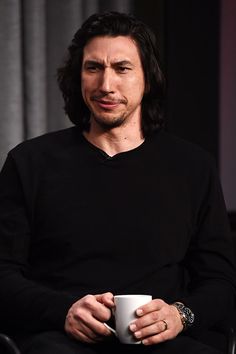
(116, 140)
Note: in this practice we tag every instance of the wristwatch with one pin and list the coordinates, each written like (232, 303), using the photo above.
(186, 315)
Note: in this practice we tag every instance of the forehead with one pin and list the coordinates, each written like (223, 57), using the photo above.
(112, 49)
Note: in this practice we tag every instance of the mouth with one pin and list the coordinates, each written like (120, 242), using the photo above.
(106, 103)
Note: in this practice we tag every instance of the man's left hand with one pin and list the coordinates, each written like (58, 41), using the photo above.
(157, 322)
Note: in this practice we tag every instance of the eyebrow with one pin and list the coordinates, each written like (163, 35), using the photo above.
(101, 64)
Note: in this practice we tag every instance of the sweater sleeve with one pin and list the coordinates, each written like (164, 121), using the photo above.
(24, 304)
(210, 259)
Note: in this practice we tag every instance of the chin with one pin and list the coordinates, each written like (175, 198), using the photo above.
(109, 123)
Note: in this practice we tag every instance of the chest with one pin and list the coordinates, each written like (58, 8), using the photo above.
(137, 210)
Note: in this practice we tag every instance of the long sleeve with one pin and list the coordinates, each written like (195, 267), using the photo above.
(210, 258)
(66, 212)
(24, 304)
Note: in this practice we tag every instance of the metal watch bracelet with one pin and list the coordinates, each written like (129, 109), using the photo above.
(186, 315)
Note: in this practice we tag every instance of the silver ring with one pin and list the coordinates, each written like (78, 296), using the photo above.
(166, 325)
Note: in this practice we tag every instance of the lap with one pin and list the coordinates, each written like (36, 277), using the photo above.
(60, 343)
(52, 342)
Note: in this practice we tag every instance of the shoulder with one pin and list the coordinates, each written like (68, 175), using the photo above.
(182, 159)
(49, 139)
(174, 148)
(47, 143)
(48, 150)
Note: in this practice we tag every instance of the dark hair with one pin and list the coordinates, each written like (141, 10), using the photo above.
(113, 24)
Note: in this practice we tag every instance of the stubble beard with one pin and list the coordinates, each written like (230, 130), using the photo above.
(111, 123)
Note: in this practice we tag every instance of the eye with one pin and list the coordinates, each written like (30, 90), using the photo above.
(92, 68)
(123, 69)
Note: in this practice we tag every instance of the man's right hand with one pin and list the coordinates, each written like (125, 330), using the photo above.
(84, 320)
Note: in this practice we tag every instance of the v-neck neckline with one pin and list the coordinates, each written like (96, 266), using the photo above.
(116, 156)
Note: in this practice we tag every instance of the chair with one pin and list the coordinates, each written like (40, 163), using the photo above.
(232, 341)
(8, 345)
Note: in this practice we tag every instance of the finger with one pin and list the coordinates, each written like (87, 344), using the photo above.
(158, 338)
(82, 336)
(151, 306)
(154, 329)
(106, 299)
(92, 329)
(101, 297)
(82, 317)
(96, 337)
(102, 313)
(146, 320)
(97, 309)
(95, 327)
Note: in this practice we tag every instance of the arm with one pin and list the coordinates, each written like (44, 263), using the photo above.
(209, 263)
(24, 304)
(210, 260)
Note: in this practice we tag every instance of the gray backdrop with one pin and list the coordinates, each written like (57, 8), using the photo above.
(34, 35)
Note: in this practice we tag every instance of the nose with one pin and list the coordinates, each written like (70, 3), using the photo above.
(107, 81)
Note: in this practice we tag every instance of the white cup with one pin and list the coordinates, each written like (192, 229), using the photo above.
(125, 313)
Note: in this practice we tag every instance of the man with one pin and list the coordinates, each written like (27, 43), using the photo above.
(111, 206)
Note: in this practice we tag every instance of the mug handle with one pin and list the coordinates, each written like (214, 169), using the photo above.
(110, 328)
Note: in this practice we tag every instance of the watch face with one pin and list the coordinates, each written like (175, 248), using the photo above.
(186, 313)
(189, 316)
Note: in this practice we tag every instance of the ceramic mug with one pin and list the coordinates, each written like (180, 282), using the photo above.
(125, 313)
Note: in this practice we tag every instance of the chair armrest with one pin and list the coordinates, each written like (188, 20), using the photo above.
(8, 344)
(232, 341)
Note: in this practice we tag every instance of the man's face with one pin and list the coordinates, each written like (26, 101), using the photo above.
(112, 81)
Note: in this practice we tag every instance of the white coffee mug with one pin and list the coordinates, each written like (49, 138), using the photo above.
(125, 313)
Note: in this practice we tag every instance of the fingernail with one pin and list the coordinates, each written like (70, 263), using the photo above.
(133, 327)
(145, 341)
(139, 312)
(137, 334)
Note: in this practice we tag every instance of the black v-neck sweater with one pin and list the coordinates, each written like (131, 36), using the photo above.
(75, 221)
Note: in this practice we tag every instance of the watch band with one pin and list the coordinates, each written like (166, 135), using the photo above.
(186, 315)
